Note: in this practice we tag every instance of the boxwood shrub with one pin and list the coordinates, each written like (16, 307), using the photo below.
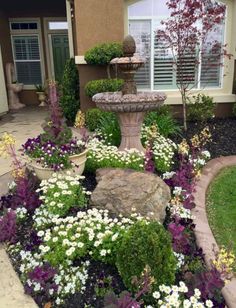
(146, 245)
(102, 54)
(103, 85)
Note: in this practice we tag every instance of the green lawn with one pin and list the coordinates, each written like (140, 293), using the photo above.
(221, 208)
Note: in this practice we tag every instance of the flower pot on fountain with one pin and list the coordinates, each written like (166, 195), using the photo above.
(129, 104)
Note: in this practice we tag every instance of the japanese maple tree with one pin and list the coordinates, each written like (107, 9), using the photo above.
(189, 34)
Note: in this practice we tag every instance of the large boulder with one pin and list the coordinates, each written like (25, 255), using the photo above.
(123, 191)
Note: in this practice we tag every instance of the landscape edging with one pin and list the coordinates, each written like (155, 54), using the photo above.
(203, 233)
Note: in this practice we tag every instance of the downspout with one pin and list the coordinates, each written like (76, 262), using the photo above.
(70, 29)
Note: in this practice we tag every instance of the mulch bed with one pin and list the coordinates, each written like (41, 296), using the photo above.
(223, 143)
(223, 136)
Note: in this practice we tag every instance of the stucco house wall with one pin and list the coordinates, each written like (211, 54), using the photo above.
(98, 21)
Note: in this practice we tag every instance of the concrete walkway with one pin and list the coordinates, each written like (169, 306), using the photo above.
(23, 124)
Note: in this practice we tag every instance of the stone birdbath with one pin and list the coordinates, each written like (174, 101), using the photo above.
(129, 104)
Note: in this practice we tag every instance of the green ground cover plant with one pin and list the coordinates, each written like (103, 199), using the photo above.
(221, 208)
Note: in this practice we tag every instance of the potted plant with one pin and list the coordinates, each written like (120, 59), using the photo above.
(55, 150)
(40, 91)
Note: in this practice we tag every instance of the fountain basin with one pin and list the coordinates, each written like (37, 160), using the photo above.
(130, 109)
(140, 102)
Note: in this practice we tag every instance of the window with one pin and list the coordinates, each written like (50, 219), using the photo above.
(58, 25)
(26, 52)
(158, 72)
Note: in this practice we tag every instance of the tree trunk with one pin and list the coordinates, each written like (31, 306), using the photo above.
(108, 72)
(184, 102)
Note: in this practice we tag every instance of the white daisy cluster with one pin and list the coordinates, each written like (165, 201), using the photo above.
(69, 279)
(176, 296)
(180, 259)
(201, 160)
(21, 213)
(59, 194)
(163, 148)
(90, 232)
(102, 155)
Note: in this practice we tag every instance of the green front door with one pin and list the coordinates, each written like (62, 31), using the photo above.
(60, 49)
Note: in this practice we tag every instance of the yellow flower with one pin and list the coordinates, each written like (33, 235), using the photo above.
(79, 120)
(6, 141)
(184, 147)
(225, 262)
(18, 173)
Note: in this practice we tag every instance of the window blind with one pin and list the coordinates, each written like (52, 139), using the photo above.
(141, 31)
(27, 59)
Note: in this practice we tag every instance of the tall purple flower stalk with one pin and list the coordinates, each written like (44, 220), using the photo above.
(8, 226)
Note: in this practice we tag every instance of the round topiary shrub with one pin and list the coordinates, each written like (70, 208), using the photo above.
(102, 54)
(146, 244)
(103, 85)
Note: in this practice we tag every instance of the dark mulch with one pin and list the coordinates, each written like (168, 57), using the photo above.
(223, 136)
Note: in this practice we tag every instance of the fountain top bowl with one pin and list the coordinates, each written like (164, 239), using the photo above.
(140, 102)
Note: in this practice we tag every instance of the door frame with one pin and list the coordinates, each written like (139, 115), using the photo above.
(4, 102)
(48, 42)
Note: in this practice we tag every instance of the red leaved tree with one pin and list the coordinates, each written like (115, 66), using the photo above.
(189, 34)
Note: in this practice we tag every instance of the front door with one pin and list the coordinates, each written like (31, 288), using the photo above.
(60, 51)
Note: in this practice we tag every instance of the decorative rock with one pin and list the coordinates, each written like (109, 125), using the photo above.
(122, 190)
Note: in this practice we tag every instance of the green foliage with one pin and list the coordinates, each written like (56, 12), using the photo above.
(39, 88)
(102, 54)
(146, 245)
(234, 110)
(106, 123)
(167, 125)
(103, 85)
(92, 118)
(110, 128)
(201, 108)
(69, 100)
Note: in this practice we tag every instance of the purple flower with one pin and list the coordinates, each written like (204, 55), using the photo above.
(8, 226)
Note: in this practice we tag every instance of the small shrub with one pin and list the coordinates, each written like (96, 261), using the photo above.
(201, 108)
(234, 110)
(146, 245)
(103, 85)
(92, 118)
(102, 54)
(69, 100)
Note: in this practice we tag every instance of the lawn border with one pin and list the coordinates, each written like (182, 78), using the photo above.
(203, 233)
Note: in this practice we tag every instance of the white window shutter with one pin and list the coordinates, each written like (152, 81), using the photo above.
(141, 31)
(27, 59)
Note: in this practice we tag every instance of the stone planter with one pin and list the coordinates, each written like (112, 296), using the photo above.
(42, 98)
(79, 160)
(42, 173)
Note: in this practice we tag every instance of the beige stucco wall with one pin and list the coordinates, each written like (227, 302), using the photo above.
(96, 21)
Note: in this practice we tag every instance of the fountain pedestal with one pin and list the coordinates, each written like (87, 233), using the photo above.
(130, 126)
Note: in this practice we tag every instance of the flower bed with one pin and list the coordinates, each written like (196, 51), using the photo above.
(69, 254)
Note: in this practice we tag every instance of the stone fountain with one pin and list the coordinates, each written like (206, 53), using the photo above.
(129, 104)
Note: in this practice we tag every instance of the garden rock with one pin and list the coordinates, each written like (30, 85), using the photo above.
(125, 191)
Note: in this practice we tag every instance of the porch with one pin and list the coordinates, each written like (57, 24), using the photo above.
(36, 36)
